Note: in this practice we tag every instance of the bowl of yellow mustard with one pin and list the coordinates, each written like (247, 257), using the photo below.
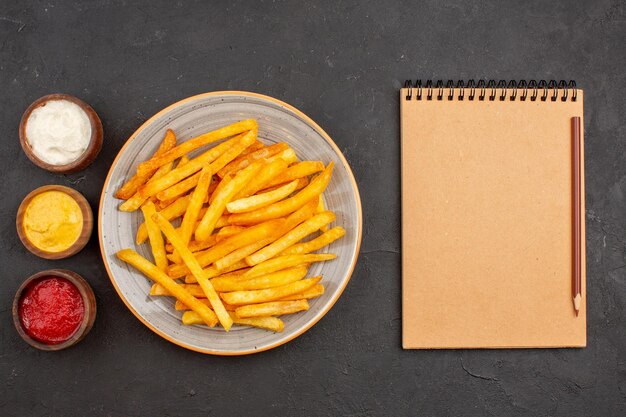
(54, 222)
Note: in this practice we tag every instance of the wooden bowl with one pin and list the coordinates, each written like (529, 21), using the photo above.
(89, 301)
(85, 233)
(95, 142)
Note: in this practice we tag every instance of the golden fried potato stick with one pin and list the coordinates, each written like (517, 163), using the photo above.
(195, 143)
(273, 324)
(161, 204)
(287, 261)
(294, 219)
(157, 246)
(293, 236)
(192, 167)
(171, 212)
(300, 184)
(151, 271)
(195, 268)
(288, 155)
(223, 248)
(299, 170)
(181, 306)
(303, 213)
(314, 291)
(195, 246)
(241, 253)
(182, 161)
(268, 294)
(260, 181)
(253, 148)
(227, 231)
(188, 183)
(220, 186)
(237, 269)
(237, 149)
(198, 197)
(226, 194)
(261, 200)
(319, 242)
(289, 205)
(245, 160)
(173, 259)
(137, 200)
(157, 290)
(178, 189)
(274, 308)
(276, 279)
(320, 208)
(127, 190)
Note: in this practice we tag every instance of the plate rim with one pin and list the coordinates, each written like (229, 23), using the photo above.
(322, 312)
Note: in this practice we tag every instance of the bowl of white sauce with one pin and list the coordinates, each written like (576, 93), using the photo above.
(61, 133)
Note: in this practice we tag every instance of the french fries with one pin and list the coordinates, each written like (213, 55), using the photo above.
(137, 200)
(319, 242)
(244, 209)
(245, 160)
(288, 155)
(151, 271)
(261, 200)
(313, 292)
(296, 234)
(253, 148)
(190, 168)
(320, 208)
(300, 184)
(223, 248)
(267, 173)
(296, 171)
(127, 190)
(269, 294)
(157, 290)
(196, 270)
(276, 279)
(211, 272)
(274, 308)
(273, 324)
(226, 194)
(241, 253)
(287, 261)
(227, 231)
(195, 204)
(195, 143)
(179, 188)
(182, 307)
(289, 205)
(156, 238)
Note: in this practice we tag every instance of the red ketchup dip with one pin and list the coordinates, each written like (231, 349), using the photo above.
(51, 310)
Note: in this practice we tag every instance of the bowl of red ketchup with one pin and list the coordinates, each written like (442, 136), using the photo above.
(54, 309)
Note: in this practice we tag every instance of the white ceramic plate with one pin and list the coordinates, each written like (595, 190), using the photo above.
(189, 118)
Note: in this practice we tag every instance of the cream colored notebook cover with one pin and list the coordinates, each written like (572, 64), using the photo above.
(487, 220)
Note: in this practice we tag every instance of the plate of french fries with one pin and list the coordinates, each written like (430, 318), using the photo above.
(230, 223)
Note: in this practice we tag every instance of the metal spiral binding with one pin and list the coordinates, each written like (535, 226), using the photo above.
(489, 89)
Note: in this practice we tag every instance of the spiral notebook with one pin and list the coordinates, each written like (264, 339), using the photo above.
(487, 215)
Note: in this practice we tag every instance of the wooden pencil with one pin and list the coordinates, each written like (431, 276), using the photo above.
(576, 218)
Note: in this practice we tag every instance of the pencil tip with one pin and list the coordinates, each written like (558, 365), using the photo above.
(576, 313)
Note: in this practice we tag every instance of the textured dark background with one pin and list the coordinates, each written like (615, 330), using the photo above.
(342, 63)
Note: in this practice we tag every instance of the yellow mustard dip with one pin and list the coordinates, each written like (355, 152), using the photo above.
(53, 221)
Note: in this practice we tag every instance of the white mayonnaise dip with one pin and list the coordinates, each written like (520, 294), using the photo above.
(59, 132)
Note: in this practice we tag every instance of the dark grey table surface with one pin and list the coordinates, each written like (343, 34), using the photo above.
(341, 62)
